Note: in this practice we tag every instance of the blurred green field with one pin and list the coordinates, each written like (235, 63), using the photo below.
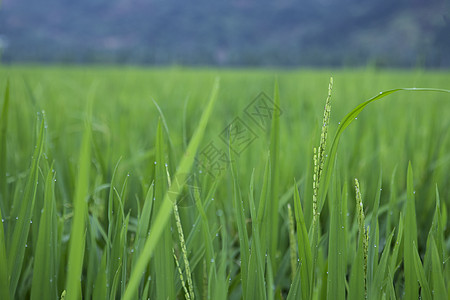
(122, 130)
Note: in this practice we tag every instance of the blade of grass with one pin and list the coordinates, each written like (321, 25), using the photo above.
(425, 293)
(207, 239)
(4, 203)
(357, 288)
(163, 214)
(295, 290)
(336, 267)
(99, 288)
(256, 285)
(44, 272)
(238, 208)
(77, 236)
(396, 258)
(436, 231)
(22, 213)
(163, 262)
(372, 259)
(380, 273)
(4, 276)
(409, 246)
(439, 290)
(274, 184)
(304, 250)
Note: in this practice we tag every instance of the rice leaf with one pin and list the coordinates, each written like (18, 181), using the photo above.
(77, 236)
(357, 288)
(372, 259)
(207, 239)
(295, 290)
(4, 201)
(274, 184)
(4, 276)
(439, 289)
(409, 246)
(336, 261)
(256, 285)
(376, 285)
(396, 258)
(163, 262)
(426, 293)
(99, 288)
(238, 207)
(22, 214)
(304, 250)
(44, 271)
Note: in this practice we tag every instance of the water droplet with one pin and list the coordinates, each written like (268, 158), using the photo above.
(212, 260)
(339, 123)
(31, 222)
(212, 199)
(414, 192)
(356, 118)
(374, 246)
(3, 220)
(132, 250)
(200, 171)
(26, 245)
(51, 280)
(155, 162)
(217, 234)
(17, 218)
(342, 227)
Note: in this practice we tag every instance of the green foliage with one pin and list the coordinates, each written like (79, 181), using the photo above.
(88, 212)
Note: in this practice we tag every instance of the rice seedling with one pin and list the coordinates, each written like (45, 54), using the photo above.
(106, 195)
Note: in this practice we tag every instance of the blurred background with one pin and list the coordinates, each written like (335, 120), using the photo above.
(281, 33)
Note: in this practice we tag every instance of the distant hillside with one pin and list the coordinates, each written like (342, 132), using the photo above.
(230, 32)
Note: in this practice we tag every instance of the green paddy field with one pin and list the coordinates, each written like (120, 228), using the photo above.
(180, 183)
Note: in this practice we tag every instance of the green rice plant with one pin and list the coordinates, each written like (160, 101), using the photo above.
(104, 228)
